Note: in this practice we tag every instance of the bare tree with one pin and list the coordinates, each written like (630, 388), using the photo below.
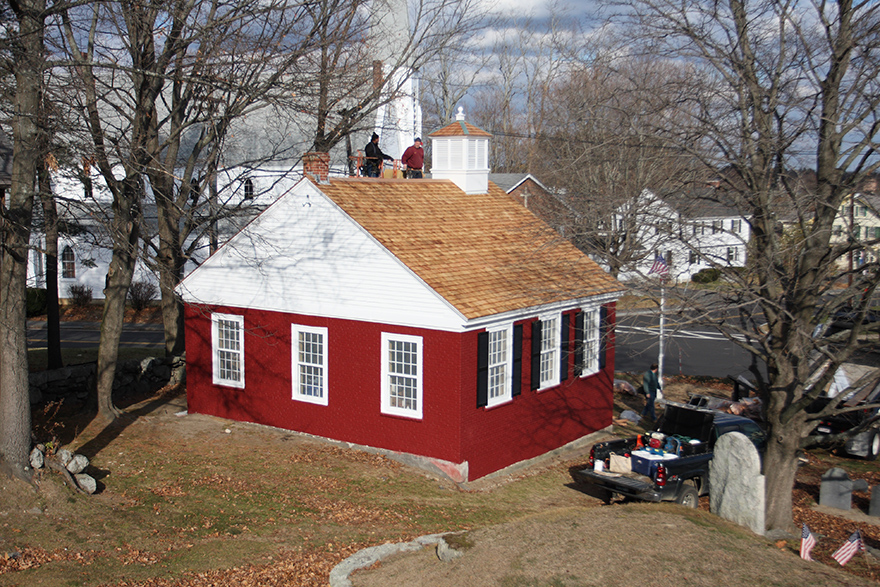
(27, 50)
(448, 79)
(120, 145)
(605, 158)
(779, 85)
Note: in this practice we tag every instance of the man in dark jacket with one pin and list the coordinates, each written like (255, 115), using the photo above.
(650, 384)
(414, 159)
(373, 157)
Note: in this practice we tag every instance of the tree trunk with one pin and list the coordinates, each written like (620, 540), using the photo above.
(15, 409)
(125, 230)
(53, 310)
(780, 466)
(170, 262)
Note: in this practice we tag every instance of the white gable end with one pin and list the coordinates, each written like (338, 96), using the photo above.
(304, 255)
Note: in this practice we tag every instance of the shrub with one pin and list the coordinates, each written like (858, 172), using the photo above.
(141, 293)
(80, 295)
(707, 275)
(36, 301)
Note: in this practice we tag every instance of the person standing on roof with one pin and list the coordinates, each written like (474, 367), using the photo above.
(414, 159)
(373, 157)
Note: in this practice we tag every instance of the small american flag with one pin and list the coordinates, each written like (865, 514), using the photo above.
(659, 267)
(849, 548)
(808, 541)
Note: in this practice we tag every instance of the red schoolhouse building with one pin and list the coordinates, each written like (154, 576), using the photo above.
(436, 317)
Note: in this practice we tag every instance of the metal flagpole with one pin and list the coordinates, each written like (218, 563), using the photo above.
(662, 320)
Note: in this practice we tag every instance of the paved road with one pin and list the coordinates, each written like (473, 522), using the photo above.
(87, 334)
(690, 351)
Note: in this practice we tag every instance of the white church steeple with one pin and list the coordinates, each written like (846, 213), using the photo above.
(399, 119)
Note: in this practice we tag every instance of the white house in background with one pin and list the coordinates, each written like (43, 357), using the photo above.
(260, 163)
(696, 230)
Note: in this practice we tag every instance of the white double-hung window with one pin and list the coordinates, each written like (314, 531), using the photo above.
(402, 368)
(227, 346)
(590, 340)
(550, 360)
(309, 353)
(500, 365)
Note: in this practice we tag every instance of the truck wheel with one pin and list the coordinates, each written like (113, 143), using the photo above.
(688, 497)
(873, 447)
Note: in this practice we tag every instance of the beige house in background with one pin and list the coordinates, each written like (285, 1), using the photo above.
(859, 218)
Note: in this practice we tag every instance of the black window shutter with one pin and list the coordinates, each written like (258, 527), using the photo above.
(516, 375)
(536, 354)
(563, 348)
(578, 343)
(603, 335)
(482, 369)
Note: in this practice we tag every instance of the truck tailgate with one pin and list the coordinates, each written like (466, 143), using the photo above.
(637, 486)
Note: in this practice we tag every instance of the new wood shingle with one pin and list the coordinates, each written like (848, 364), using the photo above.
(484, 253)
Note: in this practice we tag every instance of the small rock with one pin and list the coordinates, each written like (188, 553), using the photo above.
(64, 456)
(35, 510)
(446, 553)
(37, 459)
(78, 464)
(86, 482)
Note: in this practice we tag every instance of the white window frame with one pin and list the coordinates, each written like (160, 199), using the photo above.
(218, 375)
(591, 342)
(298, 364)
(501, 367)
(550, 359)
(68, 262)
(387, 387)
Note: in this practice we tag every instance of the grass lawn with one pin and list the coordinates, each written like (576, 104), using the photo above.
(186, 499)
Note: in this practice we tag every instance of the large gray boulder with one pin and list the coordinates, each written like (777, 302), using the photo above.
(736, 490)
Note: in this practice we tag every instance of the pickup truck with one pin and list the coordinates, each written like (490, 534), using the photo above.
(670, 463)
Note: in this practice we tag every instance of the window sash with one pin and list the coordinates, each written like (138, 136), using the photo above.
(500, 365)
(590, 342)
(227, 338)
(309, 353)
(68, 263)
(549, 363)
(402, 375)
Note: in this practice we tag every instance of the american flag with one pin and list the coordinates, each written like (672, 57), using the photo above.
(849, 548)
(808, 541)
(659, 267)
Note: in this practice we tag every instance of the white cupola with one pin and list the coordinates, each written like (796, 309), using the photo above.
(460, 152)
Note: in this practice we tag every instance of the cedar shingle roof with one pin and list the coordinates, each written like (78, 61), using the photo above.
(460, 128)
(484, 253)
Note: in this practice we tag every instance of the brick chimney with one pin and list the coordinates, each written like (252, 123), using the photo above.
(316, 166)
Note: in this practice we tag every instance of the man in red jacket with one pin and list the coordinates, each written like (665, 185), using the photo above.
(414, 159)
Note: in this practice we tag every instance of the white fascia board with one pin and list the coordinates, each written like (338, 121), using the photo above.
(535, 311)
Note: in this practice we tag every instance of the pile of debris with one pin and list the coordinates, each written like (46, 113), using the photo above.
(70, 465)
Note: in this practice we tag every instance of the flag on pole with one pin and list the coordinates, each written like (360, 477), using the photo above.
(659, 267)
(808, 541)
(849, 548)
